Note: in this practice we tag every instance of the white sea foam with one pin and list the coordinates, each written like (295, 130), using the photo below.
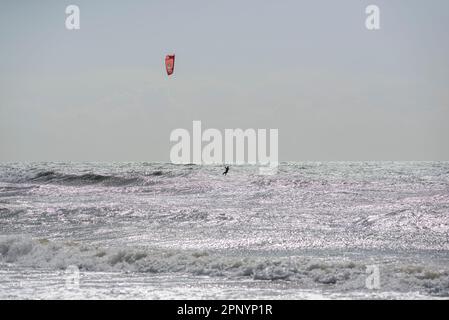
(333, 274)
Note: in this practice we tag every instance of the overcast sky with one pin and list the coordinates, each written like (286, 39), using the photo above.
(311, 69)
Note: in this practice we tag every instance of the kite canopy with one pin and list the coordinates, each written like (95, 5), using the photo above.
(170, 63)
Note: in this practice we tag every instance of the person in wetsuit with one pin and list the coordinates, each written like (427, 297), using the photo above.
(226, 170)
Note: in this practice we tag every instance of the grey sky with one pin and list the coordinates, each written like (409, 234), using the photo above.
(335, 90)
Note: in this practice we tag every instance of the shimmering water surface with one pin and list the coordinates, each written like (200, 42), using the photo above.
(155, 230)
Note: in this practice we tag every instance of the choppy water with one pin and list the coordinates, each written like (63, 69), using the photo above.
(154, 230)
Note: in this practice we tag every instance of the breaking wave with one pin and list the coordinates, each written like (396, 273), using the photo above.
(82, 179)
(308, 272)
(89, 178)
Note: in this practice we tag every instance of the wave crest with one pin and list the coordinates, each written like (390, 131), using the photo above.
(83, 179)
(309, 273)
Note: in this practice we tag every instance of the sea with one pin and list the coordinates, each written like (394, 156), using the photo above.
(311, 230)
